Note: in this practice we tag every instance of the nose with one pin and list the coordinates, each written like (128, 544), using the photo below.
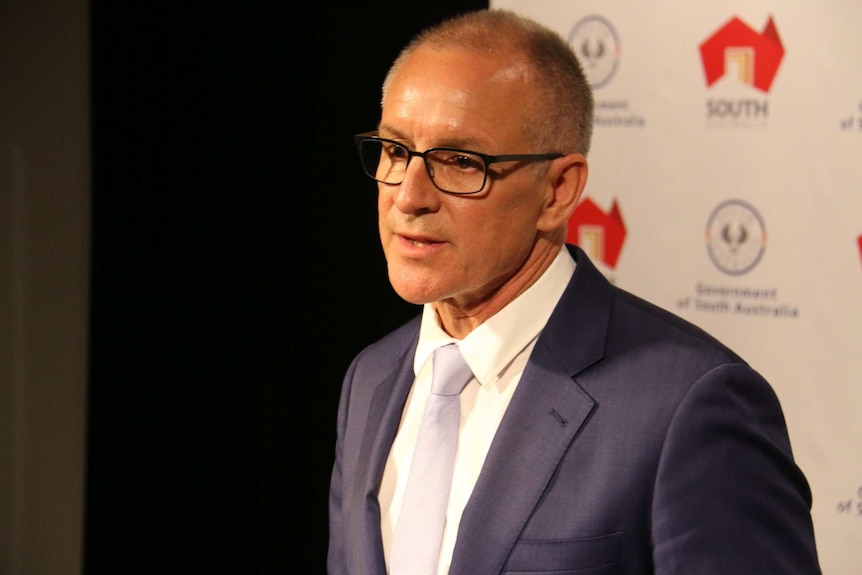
(416, 194)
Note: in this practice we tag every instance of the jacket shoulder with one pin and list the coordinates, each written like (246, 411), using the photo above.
(388, 351)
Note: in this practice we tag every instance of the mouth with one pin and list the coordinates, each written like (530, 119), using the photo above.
(418, 242)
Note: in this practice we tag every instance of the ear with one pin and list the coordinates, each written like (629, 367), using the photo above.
(566, 180)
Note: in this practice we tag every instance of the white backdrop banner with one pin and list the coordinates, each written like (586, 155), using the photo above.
(726, 186)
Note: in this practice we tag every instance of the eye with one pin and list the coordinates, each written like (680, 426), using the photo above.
(463, 161)
(467, 162)
(395, 151)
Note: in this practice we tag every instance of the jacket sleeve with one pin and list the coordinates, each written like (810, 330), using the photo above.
(728, 496)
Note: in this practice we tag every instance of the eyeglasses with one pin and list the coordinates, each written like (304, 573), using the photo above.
(451, 170)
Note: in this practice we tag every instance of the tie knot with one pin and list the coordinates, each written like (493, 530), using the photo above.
(451, 373)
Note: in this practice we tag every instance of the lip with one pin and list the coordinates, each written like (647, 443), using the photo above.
(418, 246)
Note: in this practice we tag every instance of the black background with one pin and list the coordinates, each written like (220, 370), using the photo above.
(236, 271)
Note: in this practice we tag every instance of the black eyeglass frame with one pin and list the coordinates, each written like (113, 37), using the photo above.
(486, 158)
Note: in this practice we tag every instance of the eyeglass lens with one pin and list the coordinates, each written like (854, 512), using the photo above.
(453, 171)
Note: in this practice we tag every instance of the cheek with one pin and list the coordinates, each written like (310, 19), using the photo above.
(383, 200)
(499, 239)
(384, 204)
(506, 223)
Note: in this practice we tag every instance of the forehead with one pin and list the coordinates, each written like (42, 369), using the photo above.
(458, 95)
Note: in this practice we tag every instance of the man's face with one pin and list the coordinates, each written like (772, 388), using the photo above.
(458, 248)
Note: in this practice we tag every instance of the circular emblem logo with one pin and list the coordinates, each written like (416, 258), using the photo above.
(597, 46)
(735, 237)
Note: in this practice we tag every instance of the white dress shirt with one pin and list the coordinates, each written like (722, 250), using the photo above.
(497, 352)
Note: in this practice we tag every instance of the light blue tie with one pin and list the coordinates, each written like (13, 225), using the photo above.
(419, 530)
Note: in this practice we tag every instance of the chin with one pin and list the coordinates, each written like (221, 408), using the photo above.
(413, 289)
(412, 294)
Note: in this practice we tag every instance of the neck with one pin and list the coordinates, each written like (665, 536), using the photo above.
(460, 316)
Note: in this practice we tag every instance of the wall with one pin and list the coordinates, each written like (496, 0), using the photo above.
(44, 255)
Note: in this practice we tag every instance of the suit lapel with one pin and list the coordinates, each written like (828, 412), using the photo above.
(545, 414)
(542, 420)
(384, 416)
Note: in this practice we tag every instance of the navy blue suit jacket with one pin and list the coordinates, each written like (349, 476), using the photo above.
(635, 443)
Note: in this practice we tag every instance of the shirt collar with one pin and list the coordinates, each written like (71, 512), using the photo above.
(489, 348)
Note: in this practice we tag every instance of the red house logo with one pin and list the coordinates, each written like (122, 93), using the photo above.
(859, 239)
(599, 234)
(737, 49)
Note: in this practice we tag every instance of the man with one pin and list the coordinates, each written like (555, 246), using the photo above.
(598, 433)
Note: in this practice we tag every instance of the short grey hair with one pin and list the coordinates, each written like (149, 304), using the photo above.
(562, 115)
